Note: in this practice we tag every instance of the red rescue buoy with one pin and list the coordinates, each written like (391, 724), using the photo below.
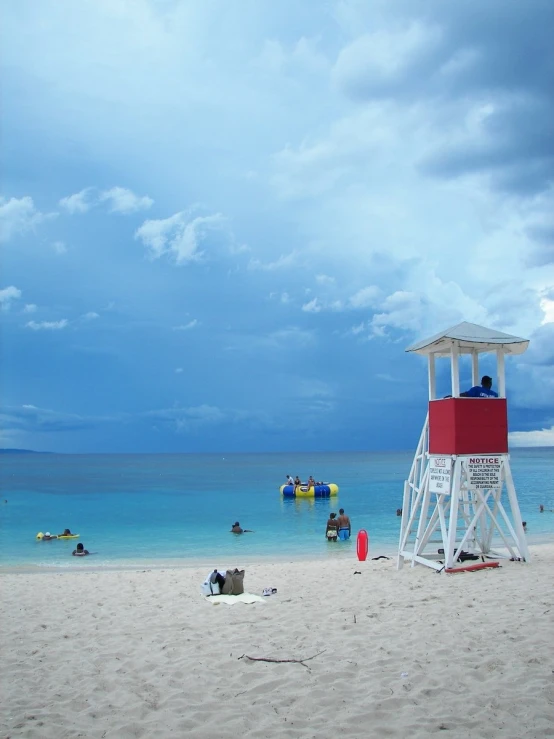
(362, 545)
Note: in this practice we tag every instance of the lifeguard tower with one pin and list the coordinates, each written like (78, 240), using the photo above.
(460, 495)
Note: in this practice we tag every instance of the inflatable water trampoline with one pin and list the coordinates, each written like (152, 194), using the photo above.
(326, 490)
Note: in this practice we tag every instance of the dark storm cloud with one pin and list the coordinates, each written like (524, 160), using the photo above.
(31, 418)
(541, 347)
(460, 48)
(516, 148)
(455, 56)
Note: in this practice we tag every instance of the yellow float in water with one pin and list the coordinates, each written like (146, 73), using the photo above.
(327, 490)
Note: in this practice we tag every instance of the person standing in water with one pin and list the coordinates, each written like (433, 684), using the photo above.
(345, 527)
(332, 527)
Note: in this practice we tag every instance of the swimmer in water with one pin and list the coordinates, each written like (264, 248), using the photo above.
(236, 529)
(80, 551)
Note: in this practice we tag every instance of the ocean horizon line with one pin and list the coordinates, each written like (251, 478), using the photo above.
(245, 452)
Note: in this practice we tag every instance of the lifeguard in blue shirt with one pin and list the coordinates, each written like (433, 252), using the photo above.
(481, 391)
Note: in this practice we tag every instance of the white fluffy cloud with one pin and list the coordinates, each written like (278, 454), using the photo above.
(540, 437)
(366, 297)
(312, 306)
(119, 199)
(7, 294)
(47, 325)
(18, 215)
(401, 310)
(125, 201)
(79, 202)
(59, 247)
(547, 306)
(90, 316)
(30, 308)
(177, 237)
(284, 262)
(325, 280)
(186, 326)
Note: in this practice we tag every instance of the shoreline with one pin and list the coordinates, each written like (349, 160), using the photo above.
(78, 565)
(82, 564)
(332, 553)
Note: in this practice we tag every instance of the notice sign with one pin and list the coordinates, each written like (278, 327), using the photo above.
(483, 472)
(439, 474)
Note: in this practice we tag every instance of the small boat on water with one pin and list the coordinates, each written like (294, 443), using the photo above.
(324, 490)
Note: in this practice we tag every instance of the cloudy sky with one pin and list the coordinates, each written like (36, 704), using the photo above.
(223, 222)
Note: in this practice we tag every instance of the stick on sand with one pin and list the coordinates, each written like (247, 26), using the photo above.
(271, 659)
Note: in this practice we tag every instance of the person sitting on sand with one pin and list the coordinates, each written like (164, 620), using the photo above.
(80, 551)
(332, 527)
(345, 527)
(236, 529)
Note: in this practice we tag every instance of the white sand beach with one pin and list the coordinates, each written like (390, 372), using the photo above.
(114, 655)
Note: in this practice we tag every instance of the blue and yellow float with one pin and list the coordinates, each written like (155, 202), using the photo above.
(326, 490)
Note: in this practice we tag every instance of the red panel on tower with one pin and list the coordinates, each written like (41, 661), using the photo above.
(468, 426)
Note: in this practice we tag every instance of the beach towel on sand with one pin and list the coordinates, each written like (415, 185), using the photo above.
(232, 599)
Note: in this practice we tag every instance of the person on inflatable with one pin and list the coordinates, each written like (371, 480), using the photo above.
(345, 527)
(80, 551)
(66, 532)
(48, 537)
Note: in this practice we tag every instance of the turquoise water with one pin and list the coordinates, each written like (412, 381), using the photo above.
(138, 508)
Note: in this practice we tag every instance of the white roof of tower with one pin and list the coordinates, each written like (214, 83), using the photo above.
(470, 337)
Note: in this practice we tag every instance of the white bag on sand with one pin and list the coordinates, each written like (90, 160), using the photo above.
(210, 586)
